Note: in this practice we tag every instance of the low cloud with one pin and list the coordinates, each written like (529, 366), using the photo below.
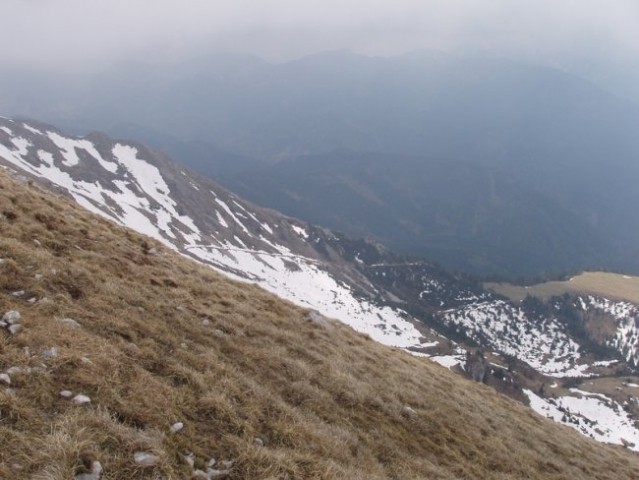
(85, 34)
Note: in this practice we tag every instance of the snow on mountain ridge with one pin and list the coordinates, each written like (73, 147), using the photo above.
(129, 189)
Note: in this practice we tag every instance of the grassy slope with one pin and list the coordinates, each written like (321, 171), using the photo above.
(611, 285)
(329, 403)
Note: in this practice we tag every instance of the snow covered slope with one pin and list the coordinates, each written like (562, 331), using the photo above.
(626, 316)
(144, 190)
(542, 342)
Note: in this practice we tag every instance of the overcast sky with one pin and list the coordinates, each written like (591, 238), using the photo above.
(89, 32)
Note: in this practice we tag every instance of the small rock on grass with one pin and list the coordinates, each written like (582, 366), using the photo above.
(66, 393)
(50, 352)
(15, 328)
(189, 458)
(70, 322)
(408, 412)
(80, 399)
(18, 370)
(11, 317)
(4, 378)
(145, 459)
(176, 427)
(96, 471)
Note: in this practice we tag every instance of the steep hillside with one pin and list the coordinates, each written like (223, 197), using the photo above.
(519, 348)
(145, 190)
(125, 353)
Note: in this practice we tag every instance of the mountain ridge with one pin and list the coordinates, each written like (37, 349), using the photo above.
(467, 217)
(551, 130)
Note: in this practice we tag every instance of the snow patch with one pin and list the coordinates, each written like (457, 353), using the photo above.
(541, 343)
(593, 415)
(300, 231)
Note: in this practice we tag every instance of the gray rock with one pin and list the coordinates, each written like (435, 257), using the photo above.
(70, 322)
(146, 459)
(257, 441)
(80, 399)
(18, 370)
(96, 471)
(408, 412)
(50, 352)
(4, 378)
(66, 393)
(176, 427)
(132, 348)
(11, 317)
(15, 328)
(18, 293)
(189, 458)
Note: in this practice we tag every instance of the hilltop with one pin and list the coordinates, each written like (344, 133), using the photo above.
(145, 342)
(604, 284)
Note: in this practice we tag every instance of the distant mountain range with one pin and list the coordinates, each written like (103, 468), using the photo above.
(536, 350)
(563, 150)
(468, 217)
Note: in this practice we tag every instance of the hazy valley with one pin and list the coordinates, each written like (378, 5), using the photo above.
(478, 163)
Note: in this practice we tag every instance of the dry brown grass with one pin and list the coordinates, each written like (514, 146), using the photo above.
(328, 403)
(611, 285)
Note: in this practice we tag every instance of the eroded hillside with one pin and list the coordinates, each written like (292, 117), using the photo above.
(121, 342)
